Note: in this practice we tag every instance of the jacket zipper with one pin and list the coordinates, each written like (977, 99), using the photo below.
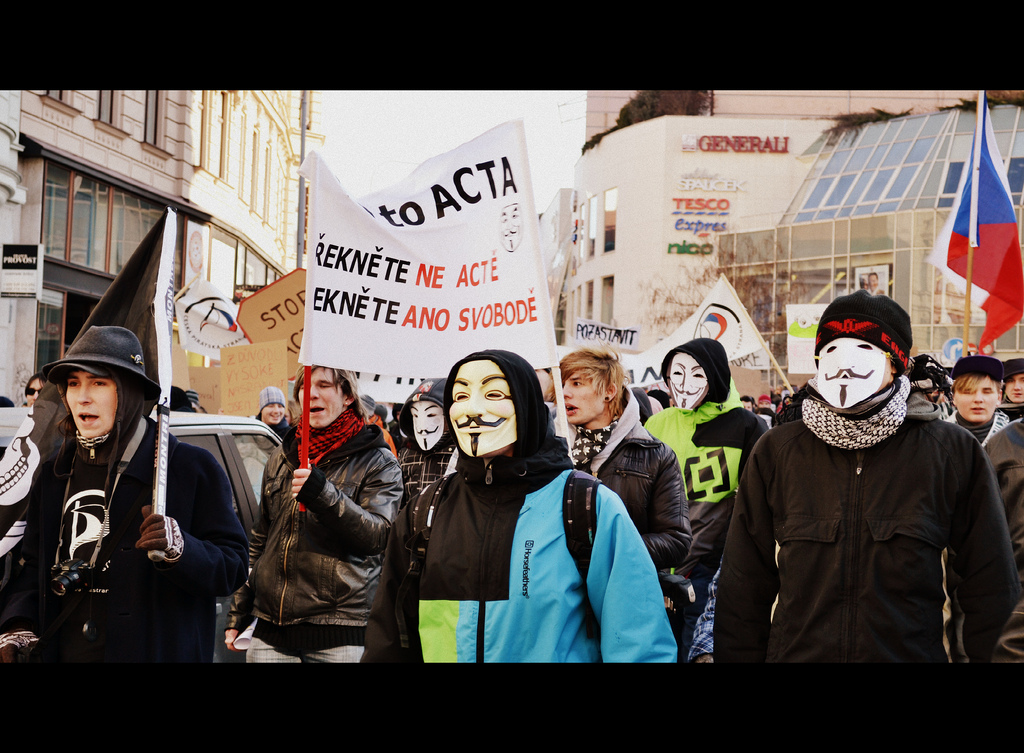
(292, 525)
(480, 633)
(855, 533)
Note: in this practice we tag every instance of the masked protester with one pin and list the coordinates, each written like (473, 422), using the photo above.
(844, 516)
(425, 454)
(977, 385)
(607, 440)
(498, 582)
(317, 545)
(88, 587)
(712, 435)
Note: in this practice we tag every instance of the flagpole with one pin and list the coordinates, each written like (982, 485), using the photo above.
(981, 112)
(561, 420)
(163, 306)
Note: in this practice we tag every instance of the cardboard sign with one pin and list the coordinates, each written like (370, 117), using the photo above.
(247, 369)
(277, 312)
(205, 380)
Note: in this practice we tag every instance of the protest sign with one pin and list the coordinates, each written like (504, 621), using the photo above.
(179, 366)
(445, 263)
(277, 312)
(246, 369)
(205, 380)
(625, 339)
(801, 331)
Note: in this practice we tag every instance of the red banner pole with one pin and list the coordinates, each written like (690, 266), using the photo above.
(304, 439)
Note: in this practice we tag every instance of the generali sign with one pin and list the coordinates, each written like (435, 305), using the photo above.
(767, 144)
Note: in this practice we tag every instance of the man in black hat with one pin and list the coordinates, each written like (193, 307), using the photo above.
(1013, 388)
(977, 386)
(88, 587)
(843, 516)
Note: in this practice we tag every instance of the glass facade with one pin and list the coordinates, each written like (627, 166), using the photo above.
(867, 216)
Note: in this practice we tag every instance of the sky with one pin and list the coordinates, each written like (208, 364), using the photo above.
(375, 139)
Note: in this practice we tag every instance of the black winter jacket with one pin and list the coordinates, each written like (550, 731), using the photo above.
(861, 534)
(644, 472)
(321, 566)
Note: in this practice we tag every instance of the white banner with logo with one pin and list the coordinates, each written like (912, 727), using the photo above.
(207, 320)
(411, 279)
(720, 317)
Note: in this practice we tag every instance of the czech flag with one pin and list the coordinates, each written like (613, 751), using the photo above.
(983, 217)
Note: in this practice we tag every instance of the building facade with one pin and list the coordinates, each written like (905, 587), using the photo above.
(789, 210)
(96, 170)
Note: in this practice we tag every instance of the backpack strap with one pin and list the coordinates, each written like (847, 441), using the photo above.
(579, 513)
(422, 519)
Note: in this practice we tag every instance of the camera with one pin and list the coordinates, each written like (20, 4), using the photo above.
(70, 575)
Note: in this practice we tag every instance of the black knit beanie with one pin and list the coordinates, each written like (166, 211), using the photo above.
(876, 319)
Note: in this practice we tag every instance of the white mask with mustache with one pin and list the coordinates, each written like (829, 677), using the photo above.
(850, 370)
(427, 424)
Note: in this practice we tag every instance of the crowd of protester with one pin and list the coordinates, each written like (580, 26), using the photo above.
(688, 524)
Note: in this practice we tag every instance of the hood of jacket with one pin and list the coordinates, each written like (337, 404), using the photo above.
(711, 355)
(538, 454)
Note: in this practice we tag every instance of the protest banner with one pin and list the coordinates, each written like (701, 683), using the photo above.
(801, 330)
(207, 320)
(247, 369)
(445, 263)
(277, 312)
(721, 316)
(625, 339)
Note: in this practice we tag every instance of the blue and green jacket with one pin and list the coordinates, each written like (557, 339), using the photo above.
(499, 583)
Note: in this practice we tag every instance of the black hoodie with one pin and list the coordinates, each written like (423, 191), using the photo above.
(475, 520)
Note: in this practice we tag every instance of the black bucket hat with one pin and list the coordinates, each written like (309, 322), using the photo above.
(100, 350)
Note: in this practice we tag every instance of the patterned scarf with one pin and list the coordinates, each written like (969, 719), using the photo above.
(589, 443)
(868, 424)
(322, 441)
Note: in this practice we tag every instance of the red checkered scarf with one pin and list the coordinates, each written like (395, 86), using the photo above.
(322, 441)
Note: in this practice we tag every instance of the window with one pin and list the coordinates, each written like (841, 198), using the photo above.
(132, 217)
(590, 300)
(266, 184)
(607, 299)
(214, 141)
(611, 199)
(233, 265)
(151, 126)
(254, 172)
(49, 317)
(105, 106)
(90, 223)
(90, 206)
(592, 226)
